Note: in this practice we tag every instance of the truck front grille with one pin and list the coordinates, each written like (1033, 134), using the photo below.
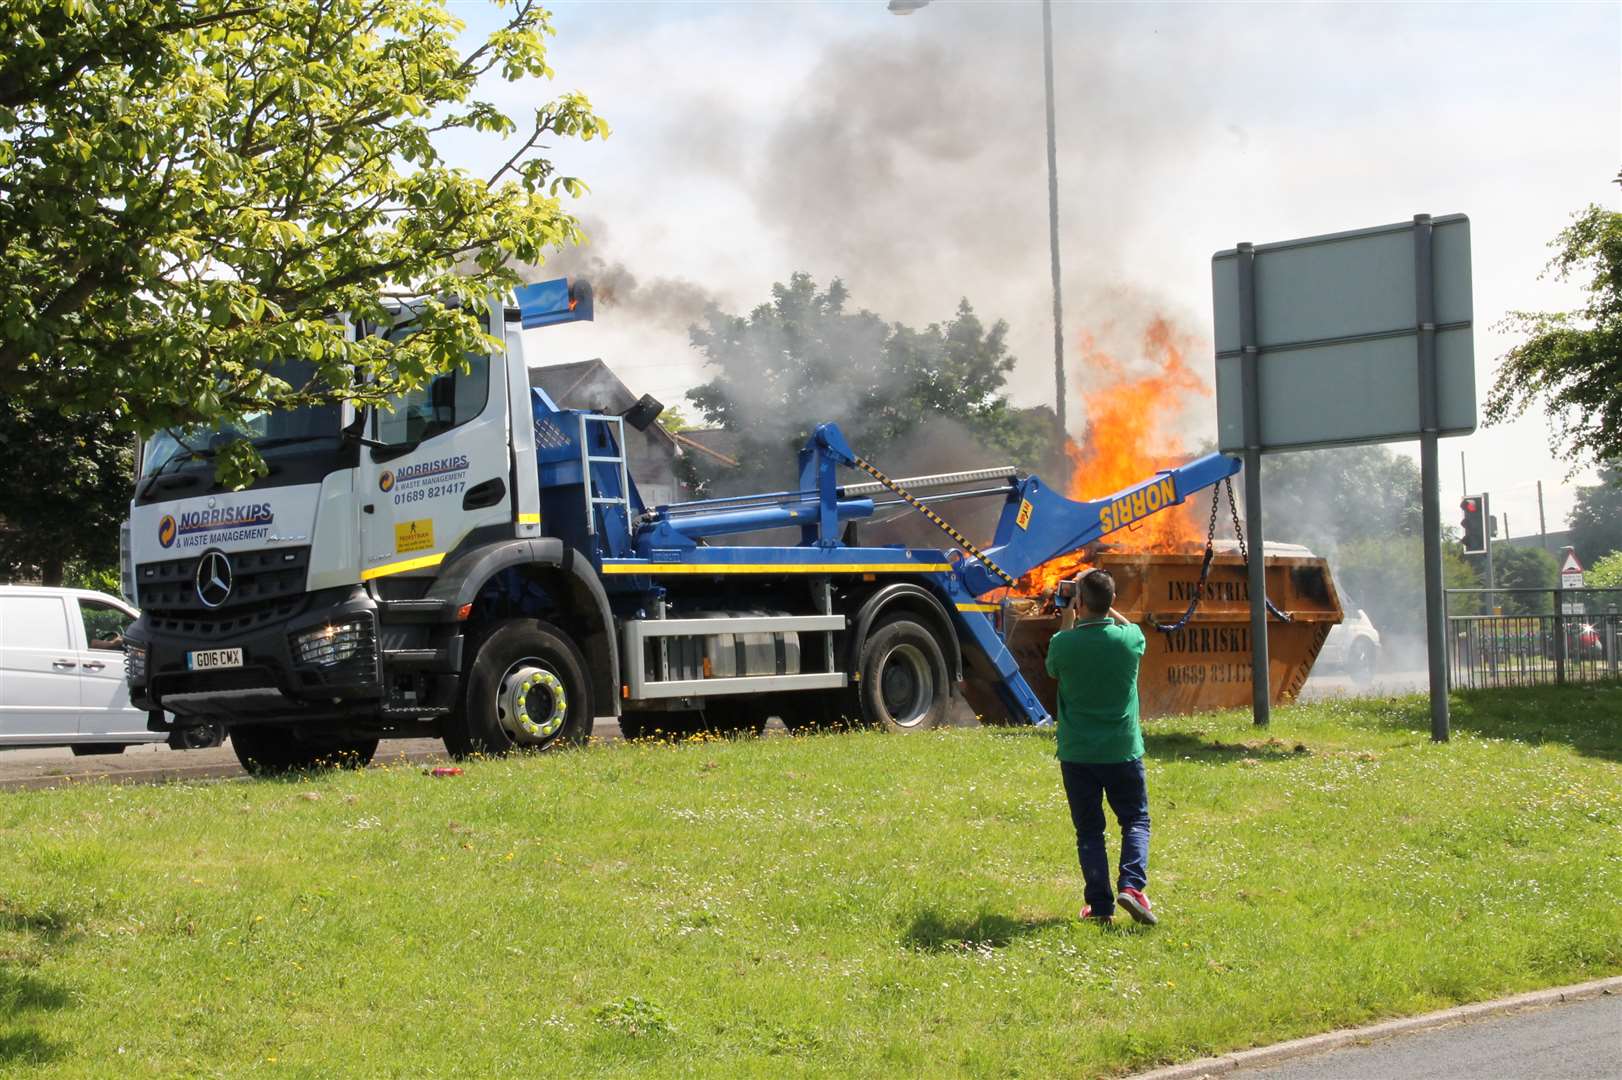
(266, 586)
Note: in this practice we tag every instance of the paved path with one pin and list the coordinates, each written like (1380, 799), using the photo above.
(1579, 1040)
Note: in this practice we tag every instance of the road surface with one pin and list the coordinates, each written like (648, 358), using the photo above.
(1579, 1040)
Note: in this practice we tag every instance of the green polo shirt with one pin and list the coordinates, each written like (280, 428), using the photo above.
(1096, 663)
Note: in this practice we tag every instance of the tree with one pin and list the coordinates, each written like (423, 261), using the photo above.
(191, 190)
(64, 508)
(1571, 361)
(1386, 578)
(1524, 568)
(907, 399)
(1606, 573)
(1596, 520)
(1327, 498)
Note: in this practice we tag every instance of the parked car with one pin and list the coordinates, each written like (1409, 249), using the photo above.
(1353, 644)
(62, 674)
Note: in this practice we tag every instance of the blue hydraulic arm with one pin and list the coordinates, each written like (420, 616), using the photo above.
(1039, 524)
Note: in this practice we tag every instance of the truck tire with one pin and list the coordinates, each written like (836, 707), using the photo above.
(742, 714)
(526, 689)
(808, 711)
(905, 685)
(668, 726)
(267, 750)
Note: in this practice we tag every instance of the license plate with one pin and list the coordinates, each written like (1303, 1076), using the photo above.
(210, 659)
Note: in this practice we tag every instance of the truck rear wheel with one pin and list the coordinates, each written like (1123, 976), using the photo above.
(265, 750)
(526, 689)
(905, 685)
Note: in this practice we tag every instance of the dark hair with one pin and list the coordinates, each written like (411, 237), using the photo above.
(1097, 591)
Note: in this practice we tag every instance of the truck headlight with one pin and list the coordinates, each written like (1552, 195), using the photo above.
(326, 646)
(134, 663)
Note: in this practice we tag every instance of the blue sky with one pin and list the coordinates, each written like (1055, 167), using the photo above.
(905, 155)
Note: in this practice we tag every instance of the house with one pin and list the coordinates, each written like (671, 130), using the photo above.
(592, 385)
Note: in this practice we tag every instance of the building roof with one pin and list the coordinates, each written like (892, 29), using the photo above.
(589, 385)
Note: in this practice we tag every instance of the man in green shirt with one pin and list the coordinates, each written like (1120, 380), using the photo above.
(1101, 746)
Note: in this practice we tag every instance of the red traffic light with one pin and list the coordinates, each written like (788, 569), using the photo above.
(1469, 506)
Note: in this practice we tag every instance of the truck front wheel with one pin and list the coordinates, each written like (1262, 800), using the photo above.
(526, 688)
(905, 685)
(266, 749)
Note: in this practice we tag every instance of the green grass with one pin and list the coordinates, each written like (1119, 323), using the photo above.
(852, 904)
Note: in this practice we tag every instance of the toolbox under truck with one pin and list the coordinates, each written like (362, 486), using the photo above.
(477, 564)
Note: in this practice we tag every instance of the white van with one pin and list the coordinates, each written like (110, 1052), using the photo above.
(62, 673)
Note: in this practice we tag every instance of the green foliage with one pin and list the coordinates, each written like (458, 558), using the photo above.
(1571, 361)
(191, 189)
(1327, 498)
(64, 490)
(804, 358)
(1524, 568)
(1606, 573)
(1596, 520)
(855, 905)
(1386, 577)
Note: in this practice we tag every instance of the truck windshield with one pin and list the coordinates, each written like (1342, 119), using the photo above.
(266, 430)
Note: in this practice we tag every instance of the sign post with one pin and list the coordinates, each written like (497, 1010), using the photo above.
(1337, 340)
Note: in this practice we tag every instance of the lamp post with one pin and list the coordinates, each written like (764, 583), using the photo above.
(907, 7)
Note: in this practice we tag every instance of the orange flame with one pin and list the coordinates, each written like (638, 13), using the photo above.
(1132, 430)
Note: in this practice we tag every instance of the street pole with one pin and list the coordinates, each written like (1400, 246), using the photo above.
(1543, 528)
(1486, 538)
(1261, 704)
(1429, 475)
(1053, 217)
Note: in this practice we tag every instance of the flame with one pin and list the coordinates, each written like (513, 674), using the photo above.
(1133, 413)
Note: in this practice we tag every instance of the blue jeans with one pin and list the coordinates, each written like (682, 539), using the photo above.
(1123, 784)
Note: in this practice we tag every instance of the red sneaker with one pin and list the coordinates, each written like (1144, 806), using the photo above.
(1087, 913)
(1137, 906)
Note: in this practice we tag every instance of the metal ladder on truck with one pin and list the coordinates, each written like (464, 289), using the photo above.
(614, 429)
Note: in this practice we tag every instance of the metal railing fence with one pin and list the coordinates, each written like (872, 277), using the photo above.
(1532, 637)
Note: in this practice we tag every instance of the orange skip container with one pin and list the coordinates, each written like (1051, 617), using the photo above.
(1206, 664)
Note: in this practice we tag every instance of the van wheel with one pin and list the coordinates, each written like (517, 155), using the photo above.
(97, 749)
(905, 685)
(266, 750)
(200, 737)
(526, 689)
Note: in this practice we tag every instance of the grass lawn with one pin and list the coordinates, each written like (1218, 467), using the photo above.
(848, 904)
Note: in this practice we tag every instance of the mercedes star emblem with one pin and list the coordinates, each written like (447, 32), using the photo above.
(213, 579)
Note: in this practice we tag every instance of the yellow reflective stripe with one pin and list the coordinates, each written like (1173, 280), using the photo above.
(775, 568)
(979, 607)
(402, 566)
(529, 519)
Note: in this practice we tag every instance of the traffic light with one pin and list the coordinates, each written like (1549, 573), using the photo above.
(1474, 523)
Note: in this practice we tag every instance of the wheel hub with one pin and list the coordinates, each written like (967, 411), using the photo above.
(905, 686)
(532, 704)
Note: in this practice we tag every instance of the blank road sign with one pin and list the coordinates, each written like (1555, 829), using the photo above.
(1337, 323)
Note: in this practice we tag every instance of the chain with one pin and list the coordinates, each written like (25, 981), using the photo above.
(1244, 555)
(935, 519)
(1238, 531)
(1205, 570)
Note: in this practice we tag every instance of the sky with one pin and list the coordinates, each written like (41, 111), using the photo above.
(906, 156)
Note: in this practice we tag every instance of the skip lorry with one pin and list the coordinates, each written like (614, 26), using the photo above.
(478, 565)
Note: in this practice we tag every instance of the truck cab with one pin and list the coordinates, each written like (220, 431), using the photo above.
(477, 563)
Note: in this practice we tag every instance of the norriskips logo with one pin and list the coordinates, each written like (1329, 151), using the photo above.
(244, 521)
(423, 472)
